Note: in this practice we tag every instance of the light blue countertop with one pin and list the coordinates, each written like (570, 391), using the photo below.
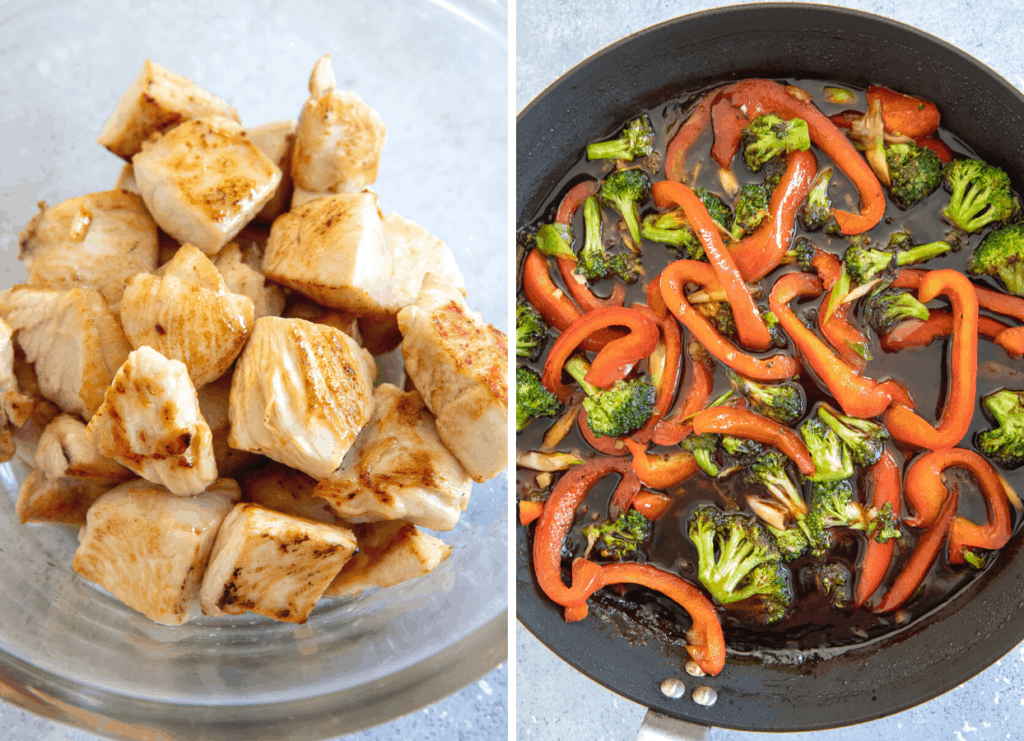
(553, 700)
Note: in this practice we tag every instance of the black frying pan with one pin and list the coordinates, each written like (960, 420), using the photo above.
(986, 619)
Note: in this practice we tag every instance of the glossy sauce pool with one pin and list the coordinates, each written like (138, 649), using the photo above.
(811, 624)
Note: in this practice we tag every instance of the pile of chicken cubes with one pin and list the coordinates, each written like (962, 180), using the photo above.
(191, 368)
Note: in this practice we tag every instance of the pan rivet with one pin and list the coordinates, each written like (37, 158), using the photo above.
(705, 696)
(673, 688)
(692, 669)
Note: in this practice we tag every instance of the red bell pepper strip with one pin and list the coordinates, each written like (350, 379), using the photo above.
(938, 146)
(761, 252)
(728, 124)
(676, 426)
(749, 325)
(917, 333)
(828, 267)
(843, 336)
(778, 367)
(705, 641)
(557, 309)
(651, 504)
(858, 396)
(530, 511)
(578, 289)
(758, 97)
(925, 492)
(744, 423)
(884, 480)
(672, 338)
(905, 115)
(612, 362)
(920, 560)
(555, 521)
(605, 445)
(661, 472)
(696, 122)
(905, 424)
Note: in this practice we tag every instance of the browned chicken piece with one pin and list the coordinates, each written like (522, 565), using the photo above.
(241, 278)
(94, 241)
(347, 323)
(157, 100)
(204, 180)
(398, 468)
(15, 406)
(286, 490)
(333, 251)
(460, 365)
(72, 337)
(214, 399)
(300, 394)
(150, 422)
(272, 564)
(301, 197)
(150, 548)
(126, 180)
(70, 475)
(42, 412)
(187, 313)
(339, 137)
(276, 140)
(389, 554)
(418, 252)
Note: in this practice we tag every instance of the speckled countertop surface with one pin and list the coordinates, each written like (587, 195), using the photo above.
(552, 36)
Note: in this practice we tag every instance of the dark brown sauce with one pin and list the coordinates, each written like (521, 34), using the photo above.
(812, 628)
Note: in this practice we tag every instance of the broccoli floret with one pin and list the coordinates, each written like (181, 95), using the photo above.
(885, 525)
(703, 448)
(623, 190)
(885, 309)
(555, 240)
(802, 252)
(718, 209)
(740, 447)
(751, 209)
(783, 403)
(532, 399)
(770, 136)
(593, 263)
(980, 195)
(778, 337)
(865, 438)
(622, 537)
(817, 211)
(531, 332)
(770, 472)
(915, 172)
(831, 579)
(623, 408)
(636, 140)
(832, 460)
(864, 264)
(832, 505)
(627, 266)
(1005, 443)
(791, 542)
(720, 314)
(773, 171)
(738, 559)
(1001, 253)
(674, 230)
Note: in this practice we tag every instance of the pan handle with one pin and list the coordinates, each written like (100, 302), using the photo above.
(658, 727)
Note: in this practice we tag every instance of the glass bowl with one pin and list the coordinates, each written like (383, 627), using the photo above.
(436, 73)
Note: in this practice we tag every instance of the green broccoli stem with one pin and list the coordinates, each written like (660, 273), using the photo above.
(616, 149)
(592, 257)
(577, 367)
(735, 561)
(922, 252)
(674, 237)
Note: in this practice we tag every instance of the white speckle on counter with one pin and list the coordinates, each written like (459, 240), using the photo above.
(485, 687)
(967, 727)
(996, 699)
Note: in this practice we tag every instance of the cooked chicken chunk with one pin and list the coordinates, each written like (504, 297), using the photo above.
(204, 180)
(72, 337)
(150, 422)
(418, 252)
(347, 323)
(339, 138)
(272, 564)
(15, 407)
(276, 140)
(398, 469)
(157, 100)
(126, 180)
(214, 399)
(300, 394)
(94, 241)
(187, 313)
(389, 554)
(301, 197)
(244, 280)
(150, 548)
(65, 500)
(333, 251)
(460, 365)
(286, 490)
(41, 412)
